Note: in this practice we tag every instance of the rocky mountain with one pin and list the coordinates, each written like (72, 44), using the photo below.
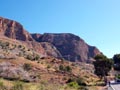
(14, 30)
(64, 45)
(70, 46)
(35, 60)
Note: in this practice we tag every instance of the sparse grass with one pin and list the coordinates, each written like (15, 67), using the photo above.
(18, 86)
(2, 86)
(8, 48)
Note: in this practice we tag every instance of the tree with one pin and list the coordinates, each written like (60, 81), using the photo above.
(102, 65)
(116, 59)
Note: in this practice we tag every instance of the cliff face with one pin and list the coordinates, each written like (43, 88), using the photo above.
(51, 50)
(14, 30)
(36, 36)
(70, 46)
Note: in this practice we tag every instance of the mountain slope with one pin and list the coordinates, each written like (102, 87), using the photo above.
(71, 47)
(64, 45)
(34, 58)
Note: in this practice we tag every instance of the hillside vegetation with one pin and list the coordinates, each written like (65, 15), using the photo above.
(21, 67)
(44, 62)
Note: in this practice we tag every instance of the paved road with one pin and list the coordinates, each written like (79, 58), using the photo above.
(115, 87)
(109, 88)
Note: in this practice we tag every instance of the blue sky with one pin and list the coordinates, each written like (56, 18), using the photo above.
(96, 21)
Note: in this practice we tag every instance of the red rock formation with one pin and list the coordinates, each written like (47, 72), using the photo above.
(36, 36)
(70, 46)
(14, 30)
(51, 50)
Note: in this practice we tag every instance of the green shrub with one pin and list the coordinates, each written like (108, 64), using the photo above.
(65, 68)
(61, 68)
(36, 57)
(27, 66)
(30, 57)
(80, 81)
(48, 66)
(19, 46)
(73, 84)
(118, 76)
(68, 68)
(33, 57)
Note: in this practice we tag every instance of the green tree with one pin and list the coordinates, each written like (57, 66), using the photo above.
(61, 67)
(116, 59)
(102, 65)
(68, 69)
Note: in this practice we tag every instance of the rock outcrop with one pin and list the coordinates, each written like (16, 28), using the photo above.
(14, 30)
(36, 36)
(9, 71)
(51, 50)
(70, 46)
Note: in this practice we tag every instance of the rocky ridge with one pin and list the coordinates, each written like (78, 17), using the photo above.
(14, 30)
(34, 59)
(70, 46)
(62, 45)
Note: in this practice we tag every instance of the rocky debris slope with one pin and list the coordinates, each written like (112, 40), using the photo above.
(9, 50)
